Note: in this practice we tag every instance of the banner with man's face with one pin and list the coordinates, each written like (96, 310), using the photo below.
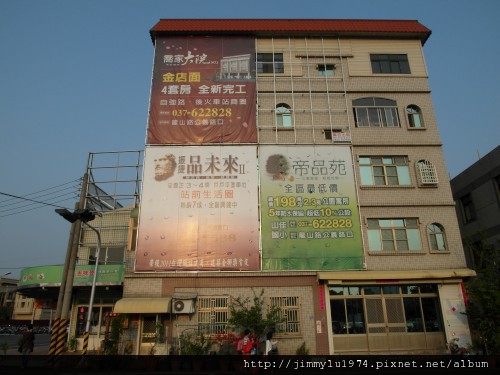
(309, 216)
(199, 209)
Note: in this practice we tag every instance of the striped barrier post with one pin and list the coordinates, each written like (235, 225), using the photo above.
(53, 341)
(57, 342)
(60, 341)
(85, 343)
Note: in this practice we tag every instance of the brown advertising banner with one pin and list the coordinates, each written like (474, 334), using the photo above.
(203, 91)
(199, 209)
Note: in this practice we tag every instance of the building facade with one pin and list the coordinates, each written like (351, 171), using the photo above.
(300, 158)
(476, 192)
(7, 294)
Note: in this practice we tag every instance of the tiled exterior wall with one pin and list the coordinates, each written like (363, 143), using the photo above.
(226, 284)
(325, 103)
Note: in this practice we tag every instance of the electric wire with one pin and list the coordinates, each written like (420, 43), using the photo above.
(41, 191)
(18, 204)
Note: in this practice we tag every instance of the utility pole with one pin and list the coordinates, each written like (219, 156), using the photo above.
(58, 335)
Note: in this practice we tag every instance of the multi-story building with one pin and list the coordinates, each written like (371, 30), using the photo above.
(17, 306)
(8, 289)
(300, 158)
(476, 192)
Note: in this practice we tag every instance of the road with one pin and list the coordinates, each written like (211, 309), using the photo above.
(42, 342)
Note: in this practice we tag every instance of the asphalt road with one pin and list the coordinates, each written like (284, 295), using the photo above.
(42, 343)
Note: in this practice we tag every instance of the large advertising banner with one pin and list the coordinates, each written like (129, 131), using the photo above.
(310, 217)
(199, 209)
(203, 91)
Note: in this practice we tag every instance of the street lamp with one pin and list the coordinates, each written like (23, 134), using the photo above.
(84, 215)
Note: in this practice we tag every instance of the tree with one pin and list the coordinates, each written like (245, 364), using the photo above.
(248, 313)
(112, 342)
(483, 308)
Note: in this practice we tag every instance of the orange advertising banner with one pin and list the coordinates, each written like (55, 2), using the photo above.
(203, 91)
(199, 209)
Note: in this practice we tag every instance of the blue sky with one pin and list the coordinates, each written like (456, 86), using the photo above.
(75, 78)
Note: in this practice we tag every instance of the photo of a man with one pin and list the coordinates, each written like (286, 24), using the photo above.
(165, 167)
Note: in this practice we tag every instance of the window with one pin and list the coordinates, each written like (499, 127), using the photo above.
(393, 235)
(270, 63)
(326, 69)
(97, 319)
(375, 112)
(414, 114)
(283, 116)
(107, 255)
(426, 173)
(347, 316)
(213, 313)
(384, 170)
(468, 209)
(390, 63)
(391, 308)
(437, 237)
(497, 187)
(290, 311)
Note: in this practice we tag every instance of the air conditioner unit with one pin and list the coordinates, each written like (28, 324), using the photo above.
(180, 306)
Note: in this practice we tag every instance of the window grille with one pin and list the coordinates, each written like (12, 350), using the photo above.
(213, 313)
(426, 173)
(290, 312)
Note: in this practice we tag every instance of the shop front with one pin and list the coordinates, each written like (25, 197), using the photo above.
(400, 313)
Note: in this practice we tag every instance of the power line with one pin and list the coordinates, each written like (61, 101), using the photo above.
(20, 205)
(35, 203)
(14, 201)
(44, 190)
(31, 200)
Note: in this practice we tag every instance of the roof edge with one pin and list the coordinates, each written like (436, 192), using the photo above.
(387, 28)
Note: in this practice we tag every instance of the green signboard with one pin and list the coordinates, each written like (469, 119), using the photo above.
(84, 275)
(310, 217)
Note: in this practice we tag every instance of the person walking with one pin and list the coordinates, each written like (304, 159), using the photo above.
(269, 344)
(27, 344)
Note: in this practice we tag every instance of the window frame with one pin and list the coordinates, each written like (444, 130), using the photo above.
(104, 255)
(216, 309)
(373, 112)
(467, 208)
(269, 63)
(437, 234)
(283, 116)
(419, 307)
(388, 172)
(390, 63)
(414, 112)
(290, 308)
(326, 70)
(394, 236)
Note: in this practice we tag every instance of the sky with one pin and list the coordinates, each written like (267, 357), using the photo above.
(75, 79)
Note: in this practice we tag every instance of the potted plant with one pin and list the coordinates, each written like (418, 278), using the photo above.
(160, 346)
(192, 344)
(72, 344)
